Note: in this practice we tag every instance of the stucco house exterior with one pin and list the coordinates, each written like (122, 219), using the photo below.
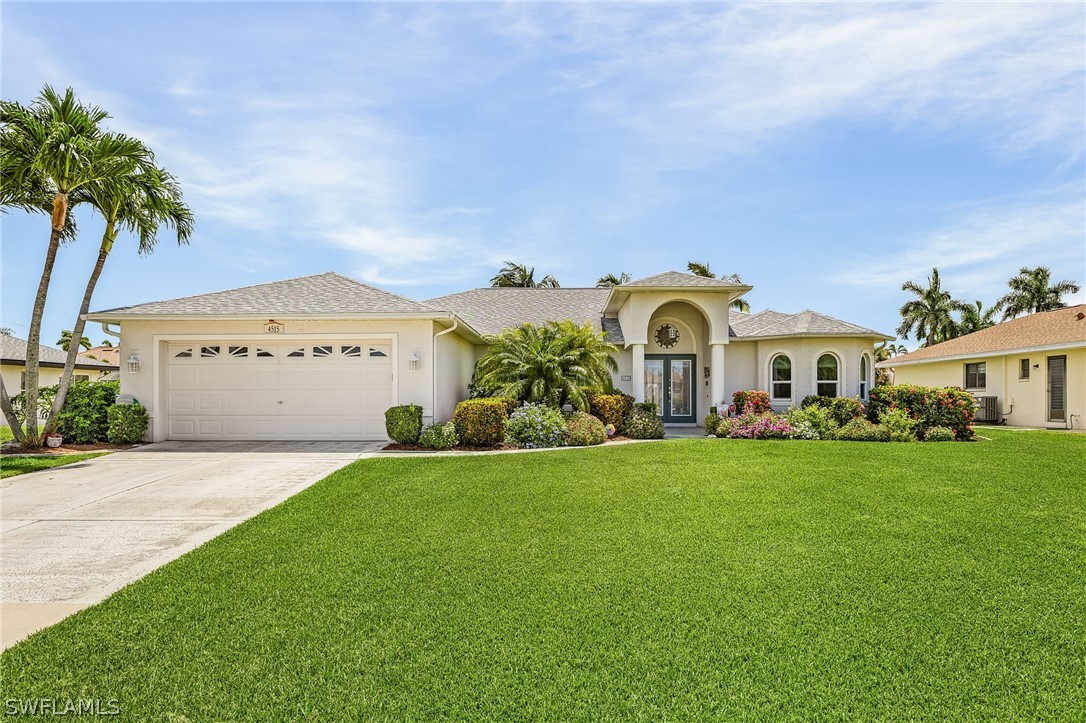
(1031, 371)
(50, 365)
(321, 357)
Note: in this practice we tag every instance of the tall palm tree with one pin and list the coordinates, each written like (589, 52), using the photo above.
(608, 280)
(140, 200)
(975, 317)
(66, 337)
(552, 363)
(698, 268)
(930, 312)
(1032, 290)
(53, 147)
(521, 276)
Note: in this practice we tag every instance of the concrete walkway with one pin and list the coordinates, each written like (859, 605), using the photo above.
(71, 536)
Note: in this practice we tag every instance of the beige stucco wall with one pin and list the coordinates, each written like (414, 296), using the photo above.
(1023, 402)
(47, 376)
(804, 353)
(413, 386)
(455, 363)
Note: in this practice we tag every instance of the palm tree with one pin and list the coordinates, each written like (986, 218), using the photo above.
(608, 280)
(52, 148)
(697, 268)
(1032, 290)
(106, 343)
(521, 276)
(552, 363)
(975, 317)
(139, 200)
(66, 340)
(929, 313)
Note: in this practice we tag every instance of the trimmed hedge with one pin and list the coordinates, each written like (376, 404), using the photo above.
(757, 400)
(643, 425)
(950, 407)
(584, 430)
(481, 422)
(439, 436)
(611, 408)
(861, 430)
(127, 423)
(403, 424)
(842, 409)
(84, 419)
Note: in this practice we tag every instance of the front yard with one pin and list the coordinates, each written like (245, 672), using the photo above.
(13, 465)
(692, 579)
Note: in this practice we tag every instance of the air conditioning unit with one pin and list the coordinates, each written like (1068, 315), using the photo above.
(988, 410)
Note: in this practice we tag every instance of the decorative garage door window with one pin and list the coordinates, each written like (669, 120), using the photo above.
(225, 353)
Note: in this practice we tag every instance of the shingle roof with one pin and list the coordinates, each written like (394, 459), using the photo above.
(769, 323)
(489, 310)
(327, 293)
(1046, 328)
(677, 278)
(13, 349)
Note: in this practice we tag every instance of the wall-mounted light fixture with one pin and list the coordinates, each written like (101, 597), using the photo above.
(133, 363)
(1036, 366)
(414, 361)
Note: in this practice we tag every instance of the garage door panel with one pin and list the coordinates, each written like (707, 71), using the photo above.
(182, 377)
(182, 402)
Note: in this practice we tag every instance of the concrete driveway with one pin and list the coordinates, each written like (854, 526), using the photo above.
(71, 536)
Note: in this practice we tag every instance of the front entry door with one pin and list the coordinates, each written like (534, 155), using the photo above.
(670, 385)
(1057, 388)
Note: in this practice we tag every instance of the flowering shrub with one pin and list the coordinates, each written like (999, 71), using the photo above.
(751, 425)
(583, 430)
(724, 426)
(712, 421)
(481, 422)
(939, 434)
(610, 408)
(951, 407)
(756, 400)
(534, 426)
(861, 430)
(643, 425)
(812, 422)
(439, 436)
(843, 409)
(899, 425)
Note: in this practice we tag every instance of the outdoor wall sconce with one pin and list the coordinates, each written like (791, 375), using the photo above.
(1036, 366)
(414, 361)
(133, 363)
(706, 372)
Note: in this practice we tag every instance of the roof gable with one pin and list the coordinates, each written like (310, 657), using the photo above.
(677, 278)
(491, 309)
(769, 323)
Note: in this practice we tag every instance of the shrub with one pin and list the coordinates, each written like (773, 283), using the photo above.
(939, 434)
(724, 426)
(647, 407)
(861, 430)
(812, 422)
(84, 419)
(534, 426)
(404, 423)
(951, 407)
(45, 403)
(757, 401)
(611, 408)
(899, 425)
(439, 436)
(643, 425)
(584, 430)
(712, 421)
(843, 409)
(760, 426)
(127, 423)
(481, 422)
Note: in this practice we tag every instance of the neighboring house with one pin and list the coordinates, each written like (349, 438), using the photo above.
(50, 365)
(322, 357)
(107, 354)
(1030, 371)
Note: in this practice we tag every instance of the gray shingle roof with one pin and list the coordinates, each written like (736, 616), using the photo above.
(677, 278)
(769, 323)
(327, 293)
(13, 349)
(489, 310)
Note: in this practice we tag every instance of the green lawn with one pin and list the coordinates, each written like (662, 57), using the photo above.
(6, 435)
(12, 465)
(694, 579)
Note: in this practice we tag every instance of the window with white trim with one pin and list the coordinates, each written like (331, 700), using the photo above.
(780, 375)
(976, 375)
(827, 376)
(863, 376)
(1023, 369)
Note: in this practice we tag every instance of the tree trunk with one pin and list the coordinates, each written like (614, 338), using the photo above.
(77, 330)
(60, 216)
(9, 414)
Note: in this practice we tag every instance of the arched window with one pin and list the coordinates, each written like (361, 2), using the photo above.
(780, 369)
(863, 376)
(828, 376)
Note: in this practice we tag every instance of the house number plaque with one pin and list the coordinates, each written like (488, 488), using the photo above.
(274, 327)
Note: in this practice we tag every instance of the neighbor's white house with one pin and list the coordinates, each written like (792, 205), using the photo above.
(322, 357)
(50, 365)
(1029, 371)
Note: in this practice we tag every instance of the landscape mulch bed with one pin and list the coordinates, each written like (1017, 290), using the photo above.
(397, 447)
(66, 449)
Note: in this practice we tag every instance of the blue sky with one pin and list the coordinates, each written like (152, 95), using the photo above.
(826, 153)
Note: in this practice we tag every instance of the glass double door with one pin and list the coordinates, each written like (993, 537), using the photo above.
(670, 385)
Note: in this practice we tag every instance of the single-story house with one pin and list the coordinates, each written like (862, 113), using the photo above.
(321, 357)
(50, 365)
(1030, 371)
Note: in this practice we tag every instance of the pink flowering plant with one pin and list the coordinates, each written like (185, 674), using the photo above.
(754, 424)
(755, 399)
(950, 407)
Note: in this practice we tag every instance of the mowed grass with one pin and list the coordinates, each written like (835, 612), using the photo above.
(12, 465)
(692, 579)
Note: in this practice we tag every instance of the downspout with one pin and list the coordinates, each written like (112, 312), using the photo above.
(107, 330)
(433, 363)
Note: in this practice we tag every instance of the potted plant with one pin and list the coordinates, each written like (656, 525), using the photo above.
(53, 438)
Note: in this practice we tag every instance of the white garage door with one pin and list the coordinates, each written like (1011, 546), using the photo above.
(319, 390)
